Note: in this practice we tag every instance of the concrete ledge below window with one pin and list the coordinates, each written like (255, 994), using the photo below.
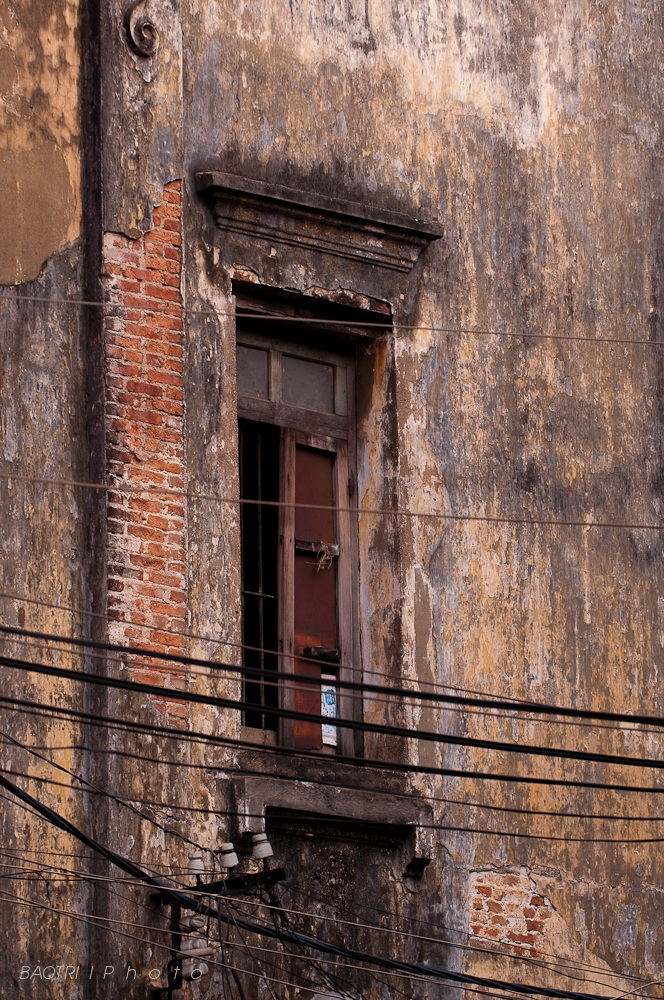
(330, 795)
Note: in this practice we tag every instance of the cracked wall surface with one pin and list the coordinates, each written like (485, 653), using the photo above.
(40, 211)
(530, 133)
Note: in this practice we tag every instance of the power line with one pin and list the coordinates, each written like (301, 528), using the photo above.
(181, 735)
(169, 694)
(126, 803)
(288, 681)
(526, 707)
(263, 930)
(541, 961)
(329, 820)
(177, 310)
(228, 770)
(125, 487)
(101, 922)
(505, 701)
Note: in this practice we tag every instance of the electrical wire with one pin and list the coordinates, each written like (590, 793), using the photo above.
(324, 947)
(383, 929)
(329, 820)
(125, 802)
(215, 640)
(195, 697)
(367, 763)
(125, 487)
(520, 707)
(282, 681)
(289, 681)
(372, 789)
(542, 961)
(380, 327)
(99, 922)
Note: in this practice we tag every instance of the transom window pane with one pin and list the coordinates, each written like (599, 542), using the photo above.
(307, 384)
(252, 372)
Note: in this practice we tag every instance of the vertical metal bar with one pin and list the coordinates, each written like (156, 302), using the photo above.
(259, 509)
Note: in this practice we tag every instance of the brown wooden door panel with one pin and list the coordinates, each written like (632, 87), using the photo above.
(314, 484)
(315, 582)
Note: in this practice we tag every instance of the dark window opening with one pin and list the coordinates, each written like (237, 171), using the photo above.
(298, 438)
(259, 527)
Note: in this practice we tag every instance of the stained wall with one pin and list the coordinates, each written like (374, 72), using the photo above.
(530, 133)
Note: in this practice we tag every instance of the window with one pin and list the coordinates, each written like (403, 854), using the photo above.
(296, 414)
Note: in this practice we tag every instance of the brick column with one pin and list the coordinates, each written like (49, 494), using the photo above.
(145, 446)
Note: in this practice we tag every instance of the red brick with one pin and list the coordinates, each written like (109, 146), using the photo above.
(536, 901)
(521, 938)
(147, 677)
(483, 890)
(163, 377)
(493, 906)
(145, 416)
(178, 641)
(145, 445)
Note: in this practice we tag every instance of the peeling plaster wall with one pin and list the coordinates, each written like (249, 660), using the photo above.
(40, 171)
(531, 132)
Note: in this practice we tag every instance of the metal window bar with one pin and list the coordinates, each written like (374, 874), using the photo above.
(253, 520)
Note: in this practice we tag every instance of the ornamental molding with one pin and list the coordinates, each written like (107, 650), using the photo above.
(140, 33)
(312, 223)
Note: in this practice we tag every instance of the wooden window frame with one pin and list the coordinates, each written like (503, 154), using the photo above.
(329, 432)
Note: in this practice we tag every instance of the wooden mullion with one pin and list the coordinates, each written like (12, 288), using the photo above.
(265, 411)
(351, 499)
(345, 698)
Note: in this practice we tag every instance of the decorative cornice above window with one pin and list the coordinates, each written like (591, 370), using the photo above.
(308, 222)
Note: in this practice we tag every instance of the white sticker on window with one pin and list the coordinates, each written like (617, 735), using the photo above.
(328, 708)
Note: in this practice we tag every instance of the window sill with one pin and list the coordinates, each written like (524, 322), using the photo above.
(325, 788)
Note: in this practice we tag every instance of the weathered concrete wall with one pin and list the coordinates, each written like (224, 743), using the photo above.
(40, 170)
(49, 428)
(531, 133)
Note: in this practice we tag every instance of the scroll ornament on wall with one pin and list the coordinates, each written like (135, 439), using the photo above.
(140, 33)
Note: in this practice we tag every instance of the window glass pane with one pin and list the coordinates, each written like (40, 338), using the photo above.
(252, 369)
(308, 384)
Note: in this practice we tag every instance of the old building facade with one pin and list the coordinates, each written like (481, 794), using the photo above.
(330, 347)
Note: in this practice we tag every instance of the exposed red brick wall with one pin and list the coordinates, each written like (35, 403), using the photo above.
(505, 908)
(145, 445)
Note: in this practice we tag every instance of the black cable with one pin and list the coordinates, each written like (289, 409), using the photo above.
(215, 640)
(189, 903)
(330, 820)
(372, 789)
(388, 324)
(119, 683)
(368, 763)
(91, 789)
(516, 706)
(124, 487)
